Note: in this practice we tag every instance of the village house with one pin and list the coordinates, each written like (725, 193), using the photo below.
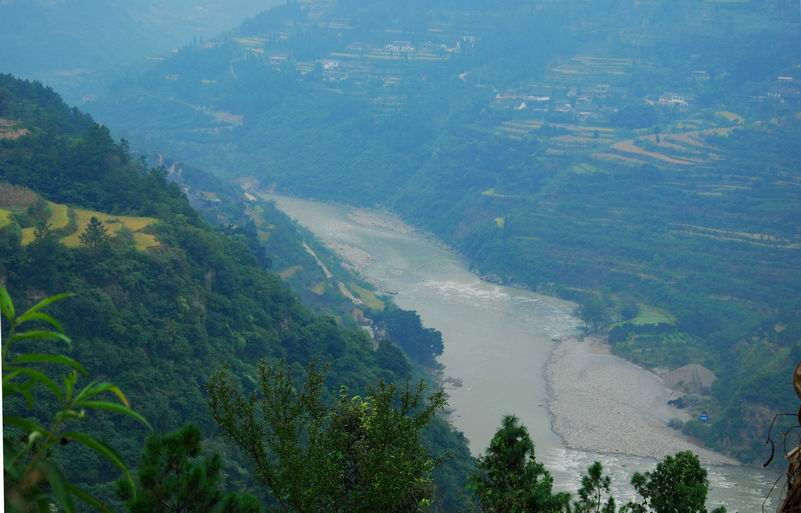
(330, 65)
(336, 76)
(601, 91)
(672, 100)
(400, 47)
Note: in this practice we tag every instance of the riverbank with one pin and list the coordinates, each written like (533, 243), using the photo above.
(600, 402)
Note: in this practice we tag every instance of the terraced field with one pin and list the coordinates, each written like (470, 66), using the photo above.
(368, 297)
(114, 224)
(9, 131)
(5, 217)
(69, 223)
(59, 220)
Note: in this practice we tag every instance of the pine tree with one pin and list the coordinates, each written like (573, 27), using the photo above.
(510, 480)
(175, 477)
(95, 235)
(361, 455)
(595, 486)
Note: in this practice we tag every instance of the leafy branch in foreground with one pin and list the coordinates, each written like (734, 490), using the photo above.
(361, 455)
(33, 478)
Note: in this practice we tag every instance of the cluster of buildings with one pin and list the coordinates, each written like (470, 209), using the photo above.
(785, 90)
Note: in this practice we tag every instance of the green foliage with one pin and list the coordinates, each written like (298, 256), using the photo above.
(629, 311)
(32, 474)
(509, 478)
(176, 476)
(361, 455)
(95, 236)
(594, 488)
(594, 313)
(682, 237)
(678, 483)
(406, 329)
(154, 322)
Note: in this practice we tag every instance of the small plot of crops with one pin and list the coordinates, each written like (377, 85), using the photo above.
(650, 316)
(59, 216)
(731, 116)
(67, 223)
(5, 217)
(113, 224)
(368, 297)
(59, 220)
(290, 272)
(584, 69)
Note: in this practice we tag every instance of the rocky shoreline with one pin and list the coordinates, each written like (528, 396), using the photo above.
(600, 402)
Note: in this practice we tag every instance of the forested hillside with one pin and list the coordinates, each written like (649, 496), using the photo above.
(641, 154)
(163, 299)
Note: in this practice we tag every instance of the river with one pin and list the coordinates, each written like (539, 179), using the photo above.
(497, 343)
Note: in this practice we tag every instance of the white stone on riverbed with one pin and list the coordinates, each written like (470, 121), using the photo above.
(603, 403)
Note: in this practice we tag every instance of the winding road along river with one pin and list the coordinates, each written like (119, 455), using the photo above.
(497, 343)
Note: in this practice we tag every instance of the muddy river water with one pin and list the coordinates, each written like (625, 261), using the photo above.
(497, 344)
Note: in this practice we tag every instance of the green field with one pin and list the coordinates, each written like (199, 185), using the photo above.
(649, 315)
(59, 216)
(369, 297)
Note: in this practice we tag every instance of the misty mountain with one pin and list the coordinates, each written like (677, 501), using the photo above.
(636, 151)
(69, 42)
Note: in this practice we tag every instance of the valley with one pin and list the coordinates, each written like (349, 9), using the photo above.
(498, 344)
(629, 153)
(580, 218)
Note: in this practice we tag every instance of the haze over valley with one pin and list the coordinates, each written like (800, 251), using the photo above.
(576, 224)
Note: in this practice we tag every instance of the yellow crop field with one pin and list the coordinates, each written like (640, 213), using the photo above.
(145, 241)
(113, 224)
(5, 217)
(27, 236)
(59, 215)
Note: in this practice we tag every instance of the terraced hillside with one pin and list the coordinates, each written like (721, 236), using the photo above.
(640, 153)
(159, 322)
(66, 222)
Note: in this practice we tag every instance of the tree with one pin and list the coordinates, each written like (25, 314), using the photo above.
(34, 479)
(594, 487)
(95, 235)
(510, 480)
(42, 231)
(678, 483)
(629, 311)
(362, 455)
(406, 329)
(175, 477)
(594, 313)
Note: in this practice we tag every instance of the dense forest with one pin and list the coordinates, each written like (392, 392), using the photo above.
(639, 155)
(158, 319)
(228, 394)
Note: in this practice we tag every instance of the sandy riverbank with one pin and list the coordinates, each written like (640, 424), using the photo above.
(603, 403)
